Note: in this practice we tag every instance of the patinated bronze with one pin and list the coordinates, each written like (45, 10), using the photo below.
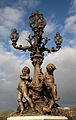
(51, 92)
(39, 92)
(22, 90)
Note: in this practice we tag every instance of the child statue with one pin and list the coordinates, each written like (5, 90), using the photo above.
(22, 90)
(50, 86)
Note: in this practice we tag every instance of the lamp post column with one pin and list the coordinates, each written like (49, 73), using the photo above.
(37, 61)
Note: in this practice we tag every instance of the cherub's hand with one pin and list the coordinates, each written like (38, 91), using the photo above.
(28, 83)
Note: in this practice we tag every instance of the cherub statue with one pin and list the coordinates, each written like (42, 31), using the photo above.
(50, 86)
(22, 90)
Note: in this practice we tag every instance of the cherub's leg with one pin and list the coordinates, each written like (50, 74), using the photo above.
(51, 103)
(19, 99)
(48, 109)
(54, 92)
(28, 99)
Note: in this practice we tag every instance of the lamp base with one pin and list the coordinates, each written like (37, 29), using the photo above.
(43, 117)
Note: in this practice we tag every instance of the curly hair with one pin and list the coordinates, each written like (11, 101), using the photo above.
(50, 67)
(26, 69)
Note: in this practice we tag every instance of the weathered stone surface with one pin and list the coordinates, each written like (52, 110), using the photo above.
(44, 117)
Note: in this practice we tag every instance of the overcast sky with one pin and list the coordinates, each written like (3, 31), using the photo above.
(60, 16)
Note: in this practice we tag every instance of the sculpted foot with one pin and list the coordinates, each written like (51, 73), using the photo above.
(45, 110)
(21, 112)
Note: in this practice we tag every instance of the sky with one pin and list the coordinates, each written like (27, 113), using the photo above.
(60, 15)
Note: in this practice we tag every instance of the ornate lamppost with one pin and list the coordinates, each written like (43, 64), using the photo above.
(36, 48)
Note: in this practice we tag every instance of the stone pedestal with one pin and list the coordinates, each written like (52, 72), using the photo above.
(43, 117)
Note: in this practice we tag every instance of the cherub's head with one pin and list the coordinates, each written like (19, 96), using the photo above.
(25, 70)
(50, 67)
